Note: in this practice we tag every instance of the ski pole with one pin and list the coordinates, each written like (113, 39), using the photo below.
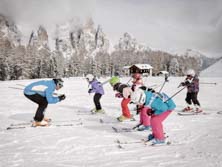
(15, 88)
(105, 82)
(153, 86)
(137, 126)
(129, 81)
(175, 94)
(162, 86)
(55, 94)
(209, 83)
(165, 80)
(21, 85)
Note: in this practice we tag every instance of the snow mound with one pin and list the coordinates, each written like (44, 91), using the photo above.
(213, 71)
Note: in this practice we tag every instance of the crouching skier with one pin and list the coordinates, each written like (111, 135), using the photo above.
(144, 118)
(41, 92)
(123, 91)
(97, 88)
(159, 106)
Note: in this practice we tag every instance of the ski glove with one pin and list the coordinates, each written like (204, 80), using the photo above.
(118, 95)
(150, 112)
(62, 97)
(183, 84)
(186, 83)
(90, 91)
(138, 109)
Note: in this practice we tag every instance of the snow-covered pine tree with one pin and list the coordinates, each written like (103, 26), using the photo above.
(174, 67)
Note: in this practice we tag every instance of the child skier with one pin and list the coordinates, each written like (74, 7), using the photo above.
(192, 84)
(43, 97)
(159, 106)
(97, 88)
(137, 81)
(144, 118)
(124, 92)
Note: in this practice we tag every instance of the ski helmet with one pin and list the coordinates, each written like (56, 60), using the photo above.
(114, 80)
(137, 76)
(58, 82)
(89, 77)
(138, 97)
(190, 72)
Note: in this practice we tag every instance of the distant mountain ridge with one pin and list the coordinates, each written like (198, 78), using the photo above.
(82, 48)
(213, 70)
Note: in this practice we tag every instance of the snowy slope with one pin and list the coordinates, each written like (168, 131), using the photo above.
(213, 71)
(196, 140)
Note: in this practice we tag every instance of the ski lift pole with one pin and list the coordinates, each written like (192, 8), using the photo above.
(175, 94)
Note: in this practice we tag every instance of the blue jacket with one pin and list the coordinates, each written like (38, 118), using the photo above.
(96, 87)
(157, 104)
(44, 88)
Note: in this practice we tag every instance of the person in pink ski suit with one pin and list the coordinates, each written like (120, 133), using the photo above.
(159, 106)
(144, 123)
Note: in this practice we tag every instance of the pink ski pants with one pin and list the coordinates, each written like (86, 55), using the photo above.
(157, 126)
(144, 118)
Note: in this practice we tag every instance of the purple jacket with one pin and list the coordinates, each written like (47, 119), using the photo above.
(96, 87)
(194, 85)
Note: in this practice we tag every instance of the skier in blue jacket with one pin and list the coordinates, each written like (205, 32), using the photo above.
(41, 92)
(97, 88)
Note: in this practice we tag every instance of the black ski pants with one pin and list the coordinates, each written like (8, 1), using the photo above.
(192, 97)
(42, 102)
(96, 99)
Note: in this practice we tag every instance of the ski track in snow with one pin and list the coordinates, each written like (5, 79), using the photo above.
(196, 140)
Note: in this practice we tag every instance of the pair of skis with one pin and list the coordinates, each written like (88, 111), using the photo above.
(145, 142)
(189, 113)
(71, 123)
(133, 129)
(123, 130)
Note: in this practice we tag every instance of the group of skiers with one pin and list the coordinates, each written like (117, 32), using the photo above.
(153, 107)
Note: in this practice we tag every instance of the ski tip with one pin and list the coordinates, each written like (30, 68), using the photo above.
(117, 141)
(115, 129)
(168, 143)
(11, 128)
(101, 121)
(161, 144)
(219, 112)
(120, 147)
(132, 119)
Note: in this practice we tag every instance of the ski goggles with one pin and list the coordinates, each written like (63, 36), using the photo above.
(60, 84)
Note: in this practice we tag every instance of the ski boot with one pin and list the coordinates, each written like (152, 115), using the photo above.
(47, 119)
(187, 109)
(101, 111)
(41, 123)
(93, 110)
(150, 137)
(158, 142)
(143, 128)
(198, 110)
(124, 118)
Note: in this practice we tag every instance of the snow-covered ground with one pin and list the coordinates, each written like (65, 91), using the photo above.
(196, 140)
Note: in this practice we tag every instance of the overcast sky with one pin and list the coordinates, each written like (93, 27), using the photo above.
(170, 25)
